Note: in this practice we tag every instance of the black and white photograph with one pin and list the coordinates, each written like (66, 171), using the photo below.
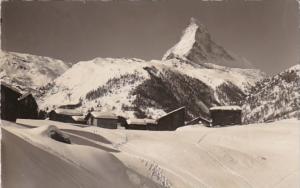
(150, 94)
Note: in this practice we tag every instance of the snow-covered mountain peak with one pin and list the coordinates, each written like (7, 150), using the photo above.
(187, 41)
(196, 45)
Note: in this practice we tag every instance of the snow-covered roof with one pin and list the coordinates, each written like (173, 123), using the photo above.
(70, 112)
(226, 108)
(141, 121)
(104, 115)
(24, 96)
(78, 118)
(10, 87)
(178, 109)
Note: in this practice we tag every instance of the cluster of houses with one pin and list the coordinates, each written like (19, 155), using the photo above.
(170, 121)
(220, 116)
(16, 105)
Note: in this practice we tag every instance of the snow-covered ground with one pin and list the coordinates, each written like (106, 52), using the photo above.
(31, 159)
(256, 155)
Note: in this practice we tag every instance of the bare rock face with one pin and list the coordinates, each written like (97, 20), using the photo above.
(196, 45)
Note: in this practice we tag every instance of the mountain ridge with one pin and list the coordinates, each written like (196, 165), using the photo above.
(275, 97)
(29, 72)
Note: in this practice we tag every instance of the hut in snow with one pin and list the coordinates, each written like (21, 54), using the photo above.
(9, 102)
(28, 108)
(226, 115)
(141, 124)
(102, 119)
(67, 116)
(172, 120)
(15, 105)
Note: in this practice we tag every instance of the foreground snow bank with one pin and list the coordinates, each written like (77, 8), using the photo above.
(32, 159)
(256, 155)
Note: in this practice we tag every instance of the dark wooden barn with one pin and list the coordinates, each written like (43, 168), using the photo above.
(9, 102)
(172, 120)
(226, 115)
(102, 119)
(27, 108)
(142, 124)
(67, 116)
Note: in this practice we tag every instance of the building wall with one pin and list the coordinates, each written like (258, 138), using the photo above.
(172, 121)
(60, 117)
(9, 103)
(137, 127)
(105, 123)
(226, 117)
(28, 108)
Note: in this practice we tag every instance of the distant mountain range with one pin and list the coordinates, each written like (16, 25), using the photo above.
(196, 73)
(29, 72)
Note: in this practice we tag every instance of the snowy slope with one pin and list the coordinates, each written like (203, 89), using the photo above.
(215, 75)
(276, 97)
(86, 76)
(133, 87)
(197, 156)
(197, 46)
(27, 71)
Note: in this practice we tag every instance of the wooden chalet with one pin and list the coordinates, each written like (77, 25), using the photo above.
(15, 105)
(9, 102)
(102, 119)
(226, 115)
(67, 116)
(142, 124)
(172, 120)
(28, 108)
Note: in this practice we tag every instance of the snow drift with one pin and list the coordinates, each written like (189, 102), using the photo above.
(256, 155)
(30, 158)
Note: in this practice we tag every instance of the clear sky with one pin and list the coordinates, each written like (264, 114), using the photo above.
(266, 32)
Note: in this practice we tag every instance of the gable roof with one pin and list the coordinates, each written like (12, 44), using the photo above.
(69, 112)
(10, 87)
(103, 115)
(229, 108)
(176, 110)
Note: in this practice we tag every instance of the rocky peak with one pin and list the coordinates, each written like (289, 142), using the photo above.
(196, 45)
